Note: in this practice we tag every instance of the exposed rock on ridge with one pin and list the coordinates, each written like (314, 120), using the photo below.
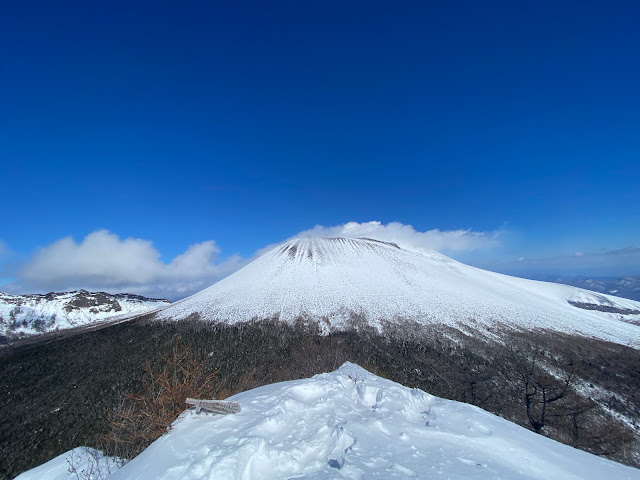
(29, 314)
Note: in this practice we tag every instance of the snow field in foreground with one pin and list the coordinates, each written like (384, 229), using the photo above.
(354, 425)
(349, 424)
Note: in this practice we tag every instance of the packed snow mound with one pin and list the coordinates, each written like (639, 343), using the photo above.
(352, 424)
(32, 314)
(334, 280)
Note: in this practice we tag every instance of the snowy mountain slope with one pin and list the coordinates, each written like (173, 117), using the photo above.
(31, 314)
(352, 424)
(333, 278)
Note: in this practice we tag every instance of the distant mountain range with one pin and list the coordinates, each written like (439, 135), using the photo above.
(22, 315)
(626, 287)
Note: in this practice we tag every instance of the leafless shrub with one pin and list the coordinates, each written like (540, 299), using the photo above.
(144, 416)
(94, 465)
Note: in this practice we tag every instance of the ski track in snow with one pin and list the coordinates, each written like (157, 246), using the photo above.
(336, 277)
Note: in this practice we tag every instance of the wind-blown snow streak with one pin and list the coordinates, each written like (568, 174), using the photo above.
(333, 278)
(352, 424)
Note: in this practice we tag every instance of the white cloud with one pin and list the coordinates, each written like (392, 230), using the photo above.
(104, 261)
(407, 236)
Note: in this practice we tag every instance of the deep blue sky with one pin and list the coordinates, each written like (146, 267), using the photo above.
(244, 123)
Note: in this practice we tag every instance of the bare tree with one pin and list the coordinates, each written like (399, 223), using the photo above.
(538, 389)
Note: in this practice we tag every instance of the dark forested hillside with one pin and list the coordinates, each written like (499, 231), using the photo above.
(55, 395)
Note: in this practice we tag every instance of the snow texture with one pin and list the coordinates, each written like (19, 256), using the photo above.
(332, 279)
(90, 464)
(354, 425)
(31, 314)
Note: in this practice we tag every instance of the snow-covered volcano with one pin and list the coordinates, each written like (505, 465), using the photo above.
(333, 280)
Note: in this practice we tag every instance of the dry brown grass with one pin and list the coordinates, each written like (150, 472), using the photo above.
(144, 416)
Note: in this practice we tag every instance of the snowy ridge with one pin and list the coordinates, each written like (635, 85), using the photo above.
(352, 424)
(331, 279)
(32, 314)
(345, 424)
